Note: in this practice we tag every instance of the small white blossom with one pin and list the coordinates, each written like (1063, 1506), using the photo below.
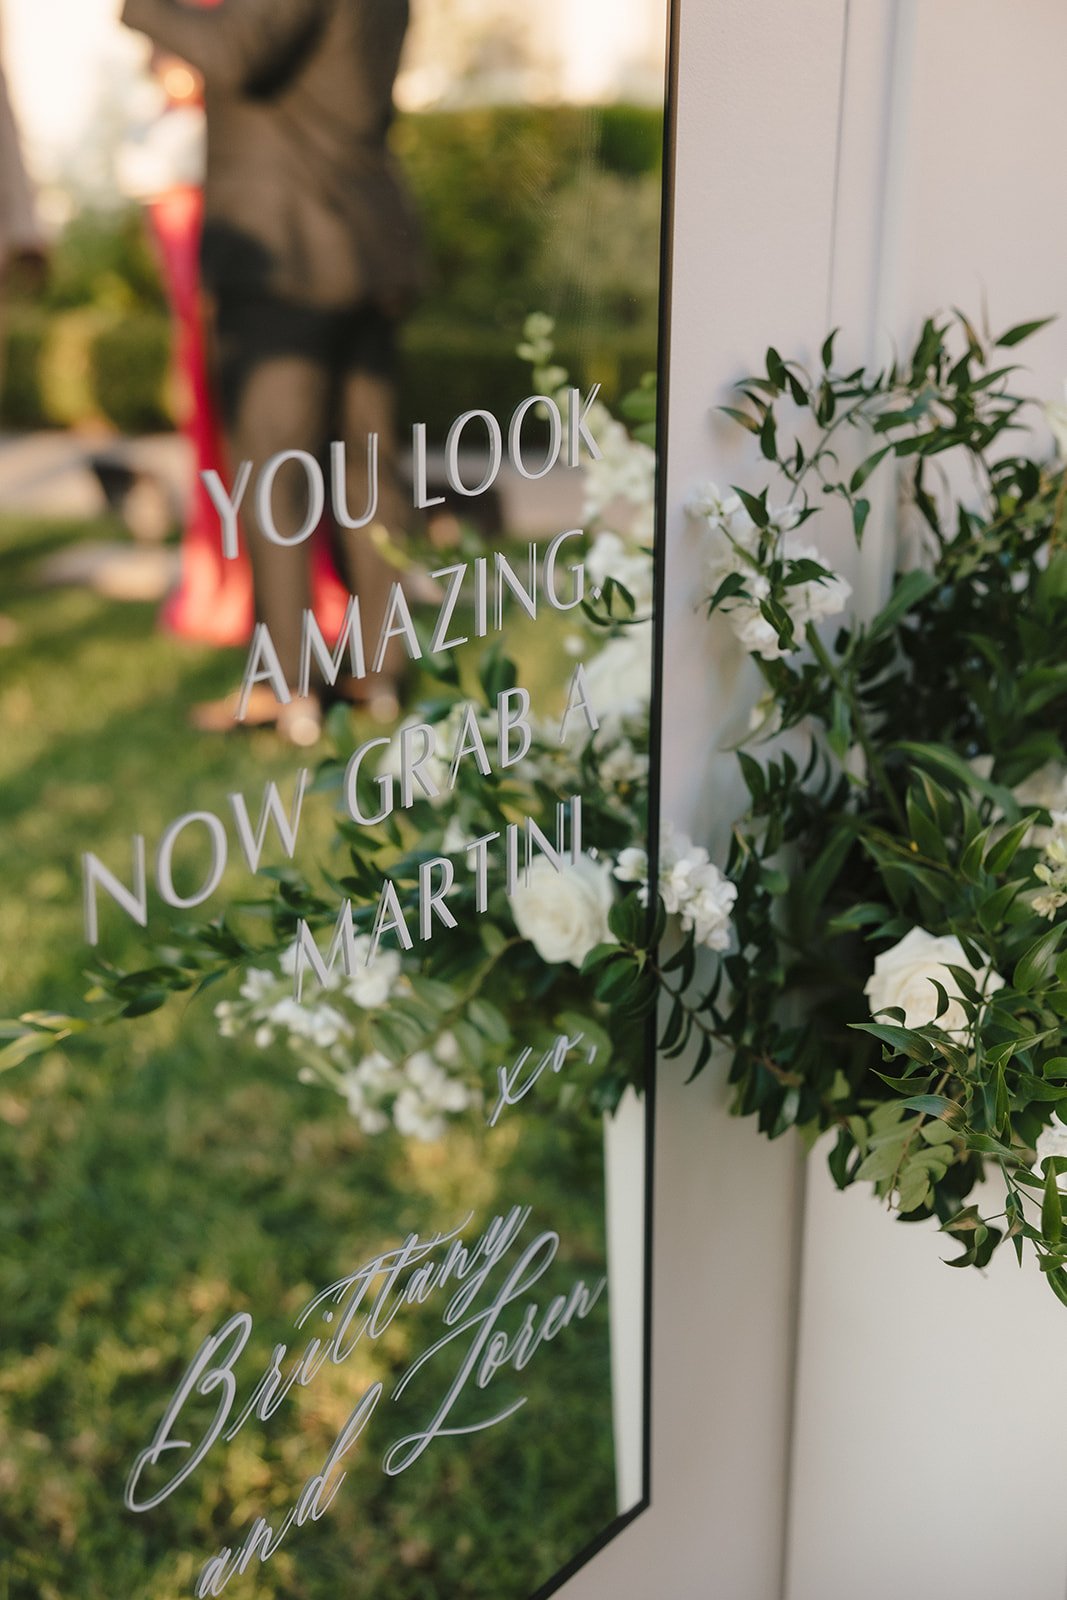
(258, 983)
(1052, 1141)
(631, 865)
(611, 557)
(690, 885)
(621, 763)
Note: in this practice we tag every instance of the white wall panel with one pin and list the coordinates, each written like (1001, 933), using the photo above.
(919, 1466)
(755, 177)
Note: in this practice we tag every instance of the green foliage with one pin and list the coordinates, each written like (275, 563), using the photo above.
(933, 749)
(555, 207)
(156, 1178)
(129, 362)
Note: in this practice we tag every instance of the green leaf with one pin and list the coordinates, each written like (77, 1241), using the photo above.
(23, 1048)
(768, 438)
(931, 1105)
(489, 1020)
(943, 762)
(1036, 961)
(755, 506)
(1021, 331)
(908, 591)
(1051, 1209)
(863, 915)
(861, 510)
(1000, 856)
(743, 418)
(902, 1041)
(865, 468)
(883, 1162)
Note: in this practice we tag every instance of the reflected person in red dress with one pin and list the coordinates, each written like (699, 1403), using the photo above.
(213, 603)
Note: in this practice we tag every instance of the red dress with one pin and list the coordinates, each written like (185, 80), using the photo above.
(213, 602)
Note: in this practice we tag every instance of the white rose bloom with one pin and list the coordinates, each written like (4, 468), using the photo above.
(610, 557)
(619, 677)
(904, 976)
(754, 631)
(1047, 788)
(690, 884)
(626, 470)
(563, 914)
(1052, 1142)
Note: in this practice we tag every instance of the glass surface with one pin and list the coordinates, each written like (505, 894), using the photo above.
(324, 1142)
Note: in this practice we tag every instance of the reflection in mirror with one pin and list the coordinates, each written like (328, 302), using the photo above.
(327, 526)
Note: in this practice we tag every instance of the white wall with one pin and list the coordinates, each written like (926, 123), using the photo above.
(752, 245)
(919, 1466)
(906, 1443)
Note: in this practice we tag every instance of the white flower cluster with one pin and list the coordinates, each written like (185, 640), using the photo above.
(623, 481)
(414, 1096)
(690, 884)
(1052, 870)
(736, 545)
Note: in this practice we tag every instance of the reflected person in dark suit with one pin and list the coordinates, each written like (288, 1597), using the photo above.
(310, 255)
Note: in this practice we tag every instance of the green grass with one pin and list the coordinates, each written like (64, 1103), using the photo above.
(155, 1178)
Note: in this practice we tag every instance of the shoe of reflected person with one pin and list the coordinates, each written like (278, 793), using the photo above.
(219, 716)
(300, 721)
(377, 696)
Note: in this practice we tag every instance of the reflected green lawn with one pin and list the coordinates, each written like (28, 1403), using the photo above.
(157, 1178)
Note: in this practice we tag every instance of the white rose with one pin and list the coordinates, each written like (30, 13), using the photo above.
(563, 914)
(904, 976)
(619, 677)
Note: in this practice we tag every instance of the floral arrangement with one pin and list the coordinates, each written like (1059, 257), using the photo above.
(880, 953)
(898, 977)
